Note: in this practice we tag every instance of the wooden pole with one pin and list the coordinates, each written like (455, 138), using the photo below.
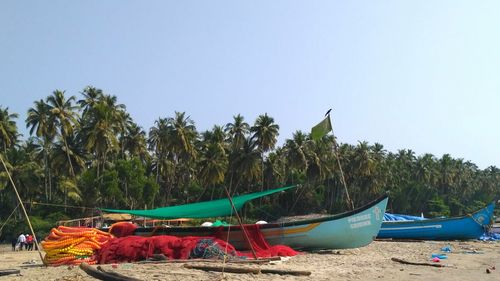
(342, 178)
(418, 263)
(24, 210)
(253, 270)
(245, 234)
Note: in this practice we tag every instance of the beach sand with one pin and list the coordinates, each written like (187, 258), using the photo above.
(468, 261)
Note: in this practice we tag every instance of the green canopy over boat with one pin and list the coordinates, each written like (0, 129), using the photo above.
(207, 209)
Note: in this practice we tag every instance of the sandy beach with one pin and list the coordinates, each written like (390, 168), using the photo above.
(468, 261)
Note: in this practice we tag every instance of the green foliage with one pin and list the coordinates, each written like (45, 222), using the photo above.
(437, 208)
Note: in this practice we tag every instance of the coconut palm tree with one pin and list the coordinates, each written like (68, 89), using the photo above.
(296, 151)
(213, 160)
(91, 96)
(237, 131)
(38, 120)
(181, 145)
(101, 127)
(182, 135)
(133, 141)
(8, 129)
(63, 116)
(265, 133)
(158, 143)
(247, 164)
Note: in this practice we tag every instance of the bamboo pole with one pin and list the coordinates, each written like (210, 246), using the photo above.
(342, 178)
(253, 270)
(245, 234)
(24, 210)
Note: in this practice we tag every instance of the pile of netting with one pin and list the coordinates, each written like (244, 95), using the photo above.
(128, 248)
(136, 248)
(73, 245)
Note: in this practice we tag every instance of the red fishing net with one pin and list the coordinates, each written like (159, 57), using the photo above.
(136, 248)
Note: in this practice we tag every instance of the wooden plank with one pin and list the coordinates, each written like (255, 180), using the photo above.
(233, 269)
(4, 272)
(418, 263)
(103, 275)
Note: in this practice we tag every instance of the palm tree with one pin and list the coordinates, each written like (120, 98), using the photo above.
(237, 131)
(182, 134)
(158, 144)
(181, 145)
(38, 121)
(265, 133)
(63, 116)
(91, 96)
(247, 164)
(134, 142)
(8, 129)
(296, 151)
(213, 161)
(101, 127)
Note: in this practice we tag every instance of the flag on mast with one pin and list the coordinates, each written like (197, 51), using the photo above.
(322, 128)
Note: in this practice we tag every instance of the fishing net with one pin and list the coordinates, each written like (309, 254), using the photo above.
(136, 248)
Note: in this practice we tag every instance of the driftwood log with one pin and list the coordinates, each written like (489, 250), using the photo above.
(4, 272)
(418, 263)
(233, 269)
(243, 261)
(100, 274)
(399, 240)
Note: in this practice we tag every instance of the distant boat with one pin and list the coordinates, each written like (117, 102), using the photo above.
(351, 229)
(470, 226)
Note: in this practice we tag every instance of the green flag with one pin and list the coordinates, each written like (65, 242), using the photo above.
(321, 129)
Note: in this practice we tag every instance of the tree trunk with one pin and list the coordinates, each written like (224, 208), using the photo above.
(45, 180)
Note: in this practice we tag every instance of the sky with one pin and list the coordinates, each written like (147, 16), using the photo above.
(419, 75)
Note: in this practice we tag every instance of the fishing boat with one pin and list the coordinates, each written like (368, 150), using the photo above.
(350, 229)
(347, 230)
(470, 226)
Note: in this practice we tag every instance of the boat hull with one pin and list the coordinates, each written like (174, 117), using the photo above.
(347, 230)
(458, 228)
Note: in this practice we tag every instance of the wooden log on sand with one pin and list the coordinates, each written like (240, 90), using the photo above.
(233, 269)
(418, 263)
(4, 272)
(100, 274)
(242, 261)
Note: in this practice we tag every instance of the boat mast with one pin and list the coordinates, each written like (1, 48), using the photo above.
(335, 150)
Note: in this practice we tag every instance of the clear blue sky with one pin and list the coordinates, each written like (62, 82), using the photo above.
(422, 75)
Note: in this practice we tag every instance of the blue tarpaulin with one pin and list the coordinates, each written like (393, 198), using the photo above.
(398, 217)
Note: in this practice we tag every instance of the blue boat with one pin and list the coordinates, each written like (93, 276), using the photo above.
(351, 229)
(470, 226)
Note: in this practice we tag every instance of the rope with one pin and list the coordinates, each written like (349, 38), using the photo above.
(59, 205)
(7, 220)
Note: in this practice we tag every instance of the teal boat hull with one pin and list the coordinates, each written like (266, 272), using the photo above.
(351, 229)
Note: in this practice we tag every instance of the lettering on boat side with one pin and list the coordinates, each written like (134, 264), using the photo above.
(377, 212)
(360, 218)
(361, 224)
(360, 221)
(481, 219)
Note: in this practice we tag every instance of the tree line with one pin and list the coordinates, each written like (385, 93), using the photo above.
(87, 151)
